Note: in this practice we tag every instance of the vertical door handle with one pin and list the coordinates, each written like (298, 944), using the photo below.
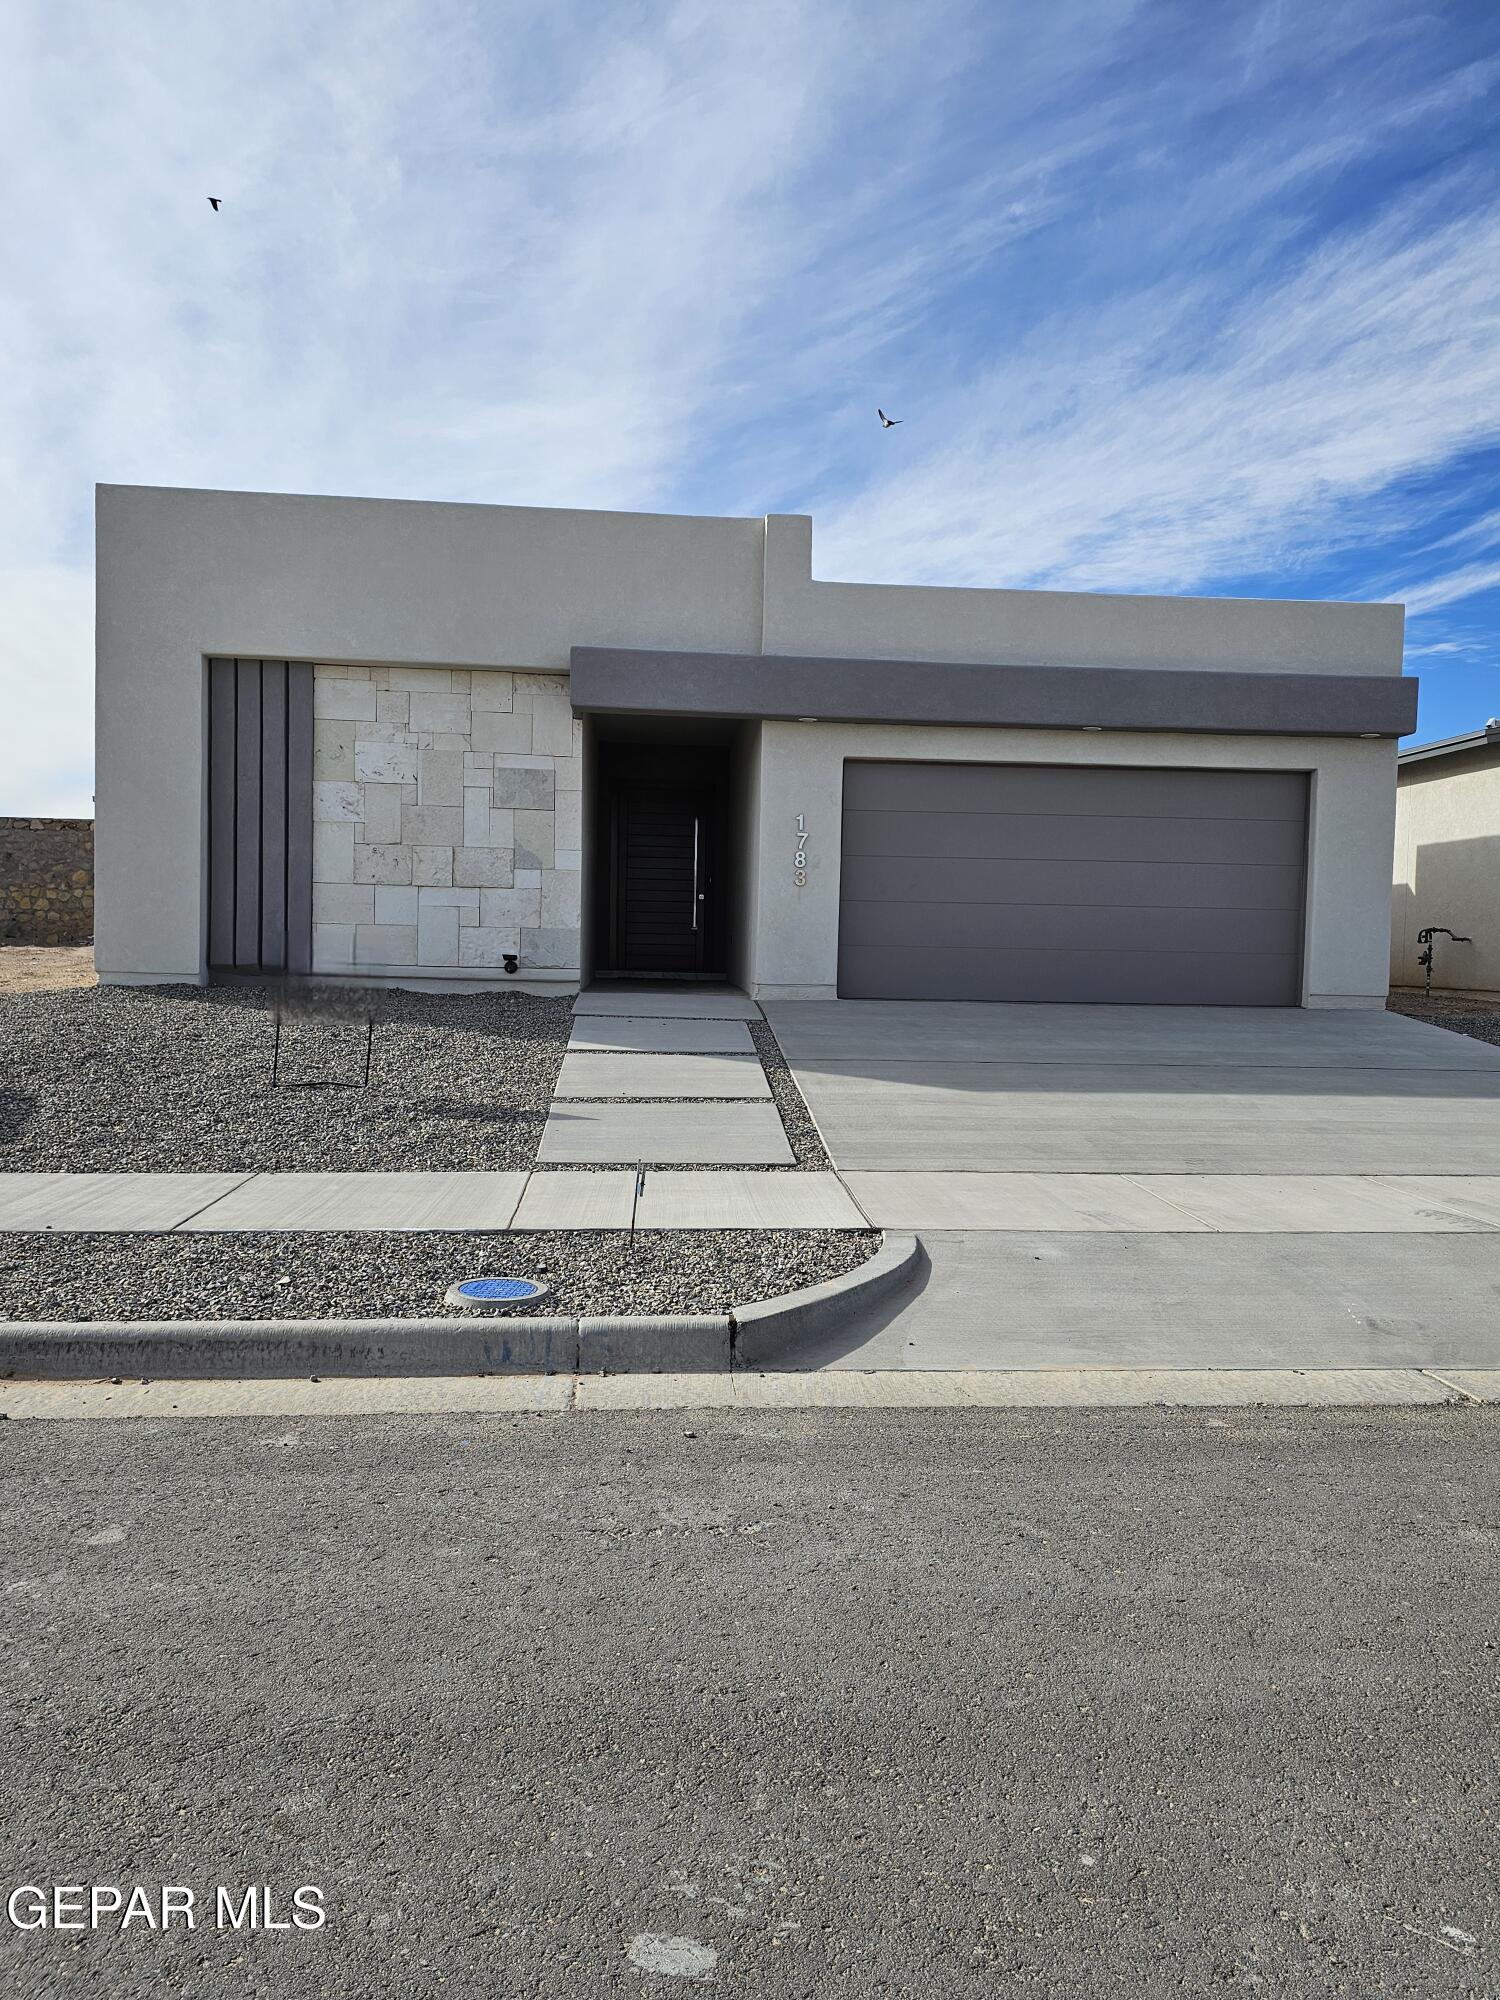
(694, 891)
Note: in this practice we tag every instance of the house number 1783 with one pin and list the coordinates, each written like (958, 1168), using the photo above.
(799, 865)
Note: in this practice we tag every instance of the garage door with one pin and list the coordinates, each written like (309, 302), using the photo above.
(1055, 882)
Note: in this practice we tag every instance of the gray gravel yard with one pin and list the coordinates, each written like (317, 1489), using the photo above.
(1478, 1018)
(375, 1275)
(177, 1079)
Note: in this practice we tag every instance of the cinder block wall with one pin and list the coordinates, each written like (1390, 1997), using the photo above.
(46, 881)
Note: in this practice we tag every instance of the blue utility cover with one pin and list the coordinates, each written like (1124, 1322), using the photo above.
(498, 1291)
(495, 1295)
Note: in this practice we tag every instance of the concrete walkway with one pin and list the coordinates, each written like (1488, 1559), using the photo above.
(683, 1003)
(665, 1075)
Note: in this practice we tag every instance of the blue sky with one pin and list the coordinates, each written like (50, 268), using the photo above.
(1170, 297)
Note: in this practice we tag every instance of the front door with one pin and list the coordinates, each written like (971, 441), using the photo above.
(666, 843)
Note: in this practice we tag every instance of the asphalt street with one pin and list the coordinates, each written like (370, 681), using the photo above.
(817, 1704)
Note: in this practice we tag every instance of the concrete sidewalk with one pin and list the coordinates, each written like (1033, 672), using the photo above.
(680, 1198)
(658, 1199)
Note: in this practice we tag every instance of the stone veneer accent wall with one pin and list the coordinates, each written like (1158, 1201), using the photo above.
(447, 820)
(46, 881)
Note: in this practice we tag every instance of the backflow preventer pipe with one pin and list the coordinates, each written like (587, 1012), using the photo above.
(1424, 958)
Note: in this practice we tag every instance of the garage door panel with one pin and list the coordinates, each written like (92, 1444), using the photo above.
(1075, 788)
(1043, 927)
(1082, 884)
(1005, 836)
(1072, 883)
(1147, 979)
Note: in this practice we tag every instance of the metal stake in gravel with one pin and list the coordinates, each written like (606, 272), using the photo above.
(326, 1006)
(495, 1294)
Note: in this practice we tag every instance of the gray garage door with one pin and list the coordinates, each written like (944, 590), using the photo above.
(1055, 882)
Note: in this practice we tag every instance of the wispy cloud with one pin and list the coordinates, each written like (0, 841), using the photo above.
(1469, 581)
(1141, 450)
(1160, 306)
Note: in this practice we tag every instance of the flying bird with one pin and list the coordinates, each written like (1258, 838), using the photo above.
(213, 202)
(889, 423)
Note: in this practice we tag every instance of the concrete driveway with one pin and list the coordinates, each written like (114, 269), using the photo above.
(1166, 1186)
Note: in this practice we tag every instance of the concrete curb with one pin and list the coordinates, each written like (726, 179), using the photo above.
(769, 1328)
(257, 1349)
(477, 1344)
(642, 1344)
(1187, 1391)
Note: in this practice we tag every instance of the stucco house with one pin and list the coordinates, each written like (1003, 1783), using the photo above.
(452, 744)
(1447, 862)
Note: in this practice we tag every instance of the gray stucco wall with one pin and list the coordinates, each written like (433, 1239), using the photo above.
(1059, 627)
(794, 930)
(184, 574)
(1447, 870)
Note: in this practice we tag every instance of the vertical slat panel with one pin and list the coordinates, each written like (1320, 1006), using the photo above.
(221, 776)
(247, 816)
(273, 814)
(299, 823)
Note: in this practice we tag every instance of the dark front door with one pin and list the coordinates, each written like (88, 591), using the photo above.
(665, 879)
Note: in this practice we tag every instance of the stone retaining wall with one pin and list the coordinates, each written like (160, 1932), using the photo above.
(46, 881)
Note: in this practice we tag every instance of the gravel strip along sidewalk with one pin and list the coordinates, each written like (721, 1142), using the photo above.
(802, 1135)
(1479, 1019)
(322, 1275)
(177, 1079)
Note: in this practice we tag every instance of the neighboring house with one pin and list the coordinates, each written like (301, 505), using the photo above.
(1447, 869)
(431, 743)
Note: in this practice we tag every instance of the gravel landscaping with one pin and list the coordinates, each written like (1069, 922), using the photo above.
(376, 1275)
(177, 1079)
(1477, 1018)
(802, 1135)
